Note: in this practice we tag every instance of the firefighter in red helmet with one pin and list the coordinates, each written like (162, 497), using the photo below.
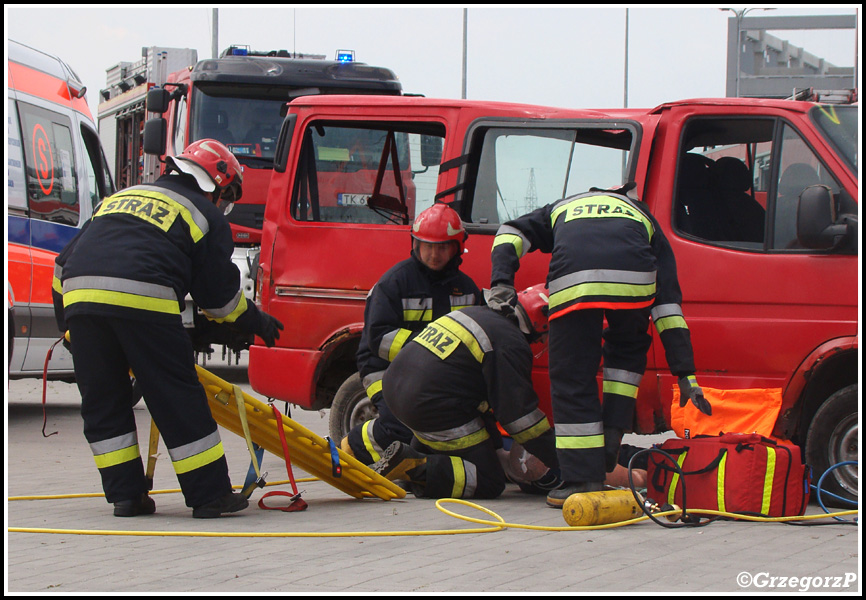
(406, 299)
(459, 376)
(119, 289)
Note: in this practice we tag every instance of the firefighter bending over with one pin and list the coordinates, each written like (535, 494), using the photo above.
(414, 292)
(609, 260)
(450, 385)
(119, 288)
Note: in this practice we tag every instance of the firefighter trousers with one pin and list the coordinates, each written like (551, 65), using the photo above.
(104, 349)
(576, 351)
(473, 472)
(370, 439)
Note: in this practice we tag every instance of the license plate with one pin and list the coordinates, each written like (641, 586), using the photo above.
(352, 199)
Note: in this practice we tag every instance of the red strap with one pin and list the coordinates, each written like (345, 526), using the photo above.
(297, 503)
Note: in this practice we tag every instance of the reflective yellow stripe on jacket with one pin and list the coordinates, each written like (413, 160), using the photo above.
(117, 291)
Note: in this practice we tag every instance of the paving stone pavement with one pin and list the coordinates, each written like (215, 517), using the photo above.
(723, 557)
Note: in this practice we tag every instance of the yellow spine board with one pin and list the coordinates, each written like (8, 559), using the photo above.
(307, 450)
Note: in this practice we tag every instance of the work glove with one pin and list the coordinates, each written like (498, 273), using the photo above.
(690, 390)
(612, 443)
(269, 329)
(502, 298)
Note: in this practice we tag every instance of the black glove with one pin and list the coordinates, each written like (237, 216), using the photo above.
(612, 442)
(690, 390)
(502, 298)
(269, 329)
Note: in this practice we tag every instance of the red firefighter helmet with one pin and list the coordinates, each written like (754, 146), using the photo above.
(438, 224)
(532, 310)
(214, 167)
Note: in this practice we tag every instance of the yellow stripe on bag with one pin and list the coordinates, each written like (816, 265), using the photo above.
(673, 489)
(720, 485)
(768, 481)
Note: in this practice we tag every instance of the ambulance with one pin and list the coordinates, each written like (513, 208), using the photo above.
(56, 175)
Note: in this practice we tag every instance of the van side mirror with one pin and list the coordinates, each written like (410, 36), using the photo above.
(157, 100)
(817, 224)
(431, 150)
(155, 136)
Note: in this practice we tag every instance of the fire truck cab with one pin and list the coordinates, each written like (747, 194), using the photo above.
(57, 175)
(759, 199)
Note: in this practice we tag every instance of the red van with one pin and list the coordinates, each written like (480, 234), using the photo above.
(758, 198)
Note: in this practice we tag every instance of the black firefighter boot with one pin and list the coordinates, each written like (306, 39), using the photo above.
(556, 498)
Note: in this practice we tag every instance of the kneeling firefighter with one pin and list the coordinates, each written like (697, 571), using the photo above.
(450, 385)
(411, 294)
(119, 288)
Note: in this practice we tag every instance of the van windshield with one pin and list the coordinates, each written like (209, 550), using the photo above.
(839, 125)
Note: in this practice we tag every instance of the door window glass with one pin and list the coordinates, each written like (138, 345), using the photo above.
(521, 169)
(799, 168)
(374, 174)
(739, 179)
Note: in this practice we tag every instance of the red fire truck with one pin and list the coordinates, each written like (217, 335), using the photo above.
(769, 279)
(239, 99)
(56, 175)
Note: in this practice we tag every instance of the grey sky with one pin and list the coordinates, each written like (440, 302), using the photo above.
(542, 54)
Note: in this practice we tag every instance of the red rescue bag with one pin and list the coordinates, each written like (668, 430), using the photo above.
(734, 472)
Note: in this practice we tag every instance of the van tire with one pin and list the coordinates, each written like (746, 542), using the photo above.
(351, 407)
(831, 439)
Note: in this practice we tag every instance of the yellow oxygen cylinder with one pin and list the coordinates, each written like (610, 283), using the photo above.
(600, 508)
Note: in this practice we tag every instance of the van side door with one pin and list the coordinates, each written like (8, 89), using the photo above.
(756, 301)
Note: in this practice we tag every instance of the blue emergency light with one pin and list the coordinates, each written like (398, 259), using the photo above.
(346, 56)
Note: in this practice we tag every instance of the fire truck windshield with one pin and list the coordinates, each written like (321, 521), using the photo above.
(247, 120)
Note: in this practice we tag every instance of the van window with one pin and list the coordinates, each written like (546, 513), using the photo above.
(382, 173)
(799, 168)
(738, 181)
(520, 169)
(52, 181)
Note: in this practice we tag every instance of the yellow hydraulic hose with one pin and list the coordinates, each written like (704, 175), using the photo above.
(498, 524)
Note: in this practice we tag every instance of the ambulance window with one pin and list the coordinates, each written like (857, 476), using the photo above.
(52, 181)
(377, 174)
(521, 169)
(17, 196)
(98, 177)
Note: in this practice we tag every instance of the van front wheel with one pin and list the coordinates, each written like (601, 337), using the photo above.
(351, 407)
(833, 439)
